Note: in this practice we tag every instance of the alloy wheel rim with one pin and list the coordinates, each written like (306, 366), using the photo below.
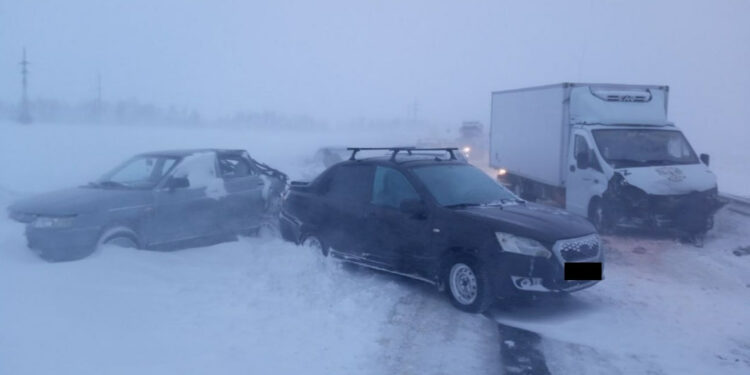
(463, 284)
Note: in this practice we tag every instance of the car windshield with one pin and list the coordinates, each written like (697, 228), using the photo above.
(462, 185)
(643, 147)
(140, 172)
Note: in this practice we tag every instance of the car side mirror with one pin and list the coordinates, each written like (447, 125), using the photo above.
(705, 158)
(583, 160)
(413, 207)
(177, 183)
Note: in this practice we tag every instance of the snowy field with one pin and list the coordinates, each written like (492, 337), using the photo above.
(263, 306)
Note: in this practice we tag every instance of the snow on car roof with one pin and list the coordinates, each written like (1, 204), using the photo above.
(186, 152)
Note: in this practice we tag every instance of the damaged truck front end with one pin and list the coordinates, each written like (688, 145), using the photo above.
(627, 206)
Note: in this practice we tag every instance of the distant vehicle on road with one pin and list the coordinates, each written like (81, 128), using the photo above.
(603, 151)
(155, 200)
(436, 218)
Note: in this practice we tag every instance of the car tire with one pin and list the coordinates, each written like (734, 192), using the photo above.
(468, 285)
(316, 243)
(124, 238)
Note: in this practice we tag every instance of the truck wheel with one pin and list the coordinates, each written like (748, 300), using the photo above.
(316, 243)
(467, 284)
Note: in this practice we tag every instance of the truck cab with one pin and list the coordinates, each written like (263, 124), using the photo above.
(639, 176)
(606, 152)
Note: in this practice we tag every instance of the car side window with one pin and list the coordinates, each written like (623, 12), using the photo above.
(234, 166)
(390, 187)
(350, 183)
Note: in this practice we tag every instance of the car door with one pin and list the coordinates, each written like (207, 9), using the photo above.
(243, 206)
(345, 198)
(585, 173)
(398, 241)
(189, 212)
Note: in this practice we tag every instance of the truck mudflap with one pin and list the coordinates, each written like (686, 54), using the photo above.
(690, 214)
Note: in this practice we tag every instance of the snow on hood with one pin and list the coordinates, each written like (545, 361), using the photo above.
(668, 180)
(200, 170)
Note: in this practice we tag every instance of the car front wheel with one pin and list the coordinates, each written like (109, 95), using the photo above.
(468, 286)
(122, 241)
(120, 237)
(316, 244)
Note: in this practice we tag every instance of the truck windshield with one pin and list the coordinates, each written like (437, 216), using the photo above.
(462, 185)
(643, 147)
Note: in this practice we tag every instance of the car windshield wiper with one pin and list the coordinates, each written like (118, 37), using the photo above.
(463, 205)
(500, 202)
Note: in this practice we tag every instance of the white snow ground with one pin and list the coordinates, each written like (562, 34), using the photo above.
(260, 305)
(664, 308)
(257, 306)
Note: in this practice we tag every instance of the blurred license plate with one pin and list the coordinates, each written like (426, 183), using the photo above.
(583, 271)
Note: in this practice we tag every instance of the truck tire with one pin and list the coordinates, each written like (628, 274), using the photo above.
(467, 285)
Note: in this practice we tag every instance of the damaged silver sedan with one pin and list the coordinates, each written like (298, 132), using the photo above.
(156, 200)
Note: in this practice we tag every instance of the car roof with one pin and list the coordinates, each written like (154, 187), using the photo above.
(186, 152)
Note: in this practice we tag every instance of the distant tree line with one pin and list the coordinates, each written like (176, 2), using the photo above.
(126, 112)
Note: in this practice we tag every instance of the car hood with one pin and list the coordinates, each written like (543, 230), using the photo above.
(80, 200)
(542, 223)
(670, 180)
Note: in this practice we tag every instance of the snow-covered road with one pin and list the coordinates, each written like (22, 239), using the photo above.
(664, 308)
(253, 306)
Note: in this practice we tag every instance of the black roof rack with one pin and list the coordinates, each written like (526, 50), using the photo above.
(409, 150)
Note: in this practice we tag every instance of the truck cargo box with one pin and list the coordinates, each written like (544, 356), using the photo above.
(530, 127)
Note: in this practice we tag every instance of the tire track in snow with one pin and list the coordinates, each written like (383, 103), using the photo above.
(424, 334)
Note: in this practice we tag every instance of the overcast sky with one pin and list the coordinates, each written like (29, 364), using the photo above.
(337, 60)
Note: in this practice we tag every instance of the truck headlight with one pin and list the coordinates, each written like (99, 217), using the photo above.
(53, 222)
(521, 245)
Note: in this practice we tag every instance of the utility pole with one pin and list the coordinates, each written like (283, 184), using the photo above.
(25, 115)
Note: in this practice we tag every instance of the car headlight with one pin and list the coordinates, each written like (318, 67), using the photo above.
(53, 222)
(522, 245)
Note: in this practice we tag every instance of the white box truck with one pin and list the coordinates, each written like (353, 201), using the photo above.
(603, 151)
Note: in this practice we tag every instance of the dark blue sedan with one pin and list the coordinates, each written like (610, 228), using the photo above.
(156, 200)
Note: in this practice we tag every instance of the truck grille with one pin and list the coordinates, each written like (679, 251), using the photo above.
(576, 249)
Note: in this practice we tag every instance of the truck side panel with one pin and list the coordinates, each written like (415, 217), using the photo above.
(528, 133)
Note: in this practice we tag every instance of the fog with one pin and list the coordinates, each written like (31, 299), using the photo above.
(291, 82)
(341, 60)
